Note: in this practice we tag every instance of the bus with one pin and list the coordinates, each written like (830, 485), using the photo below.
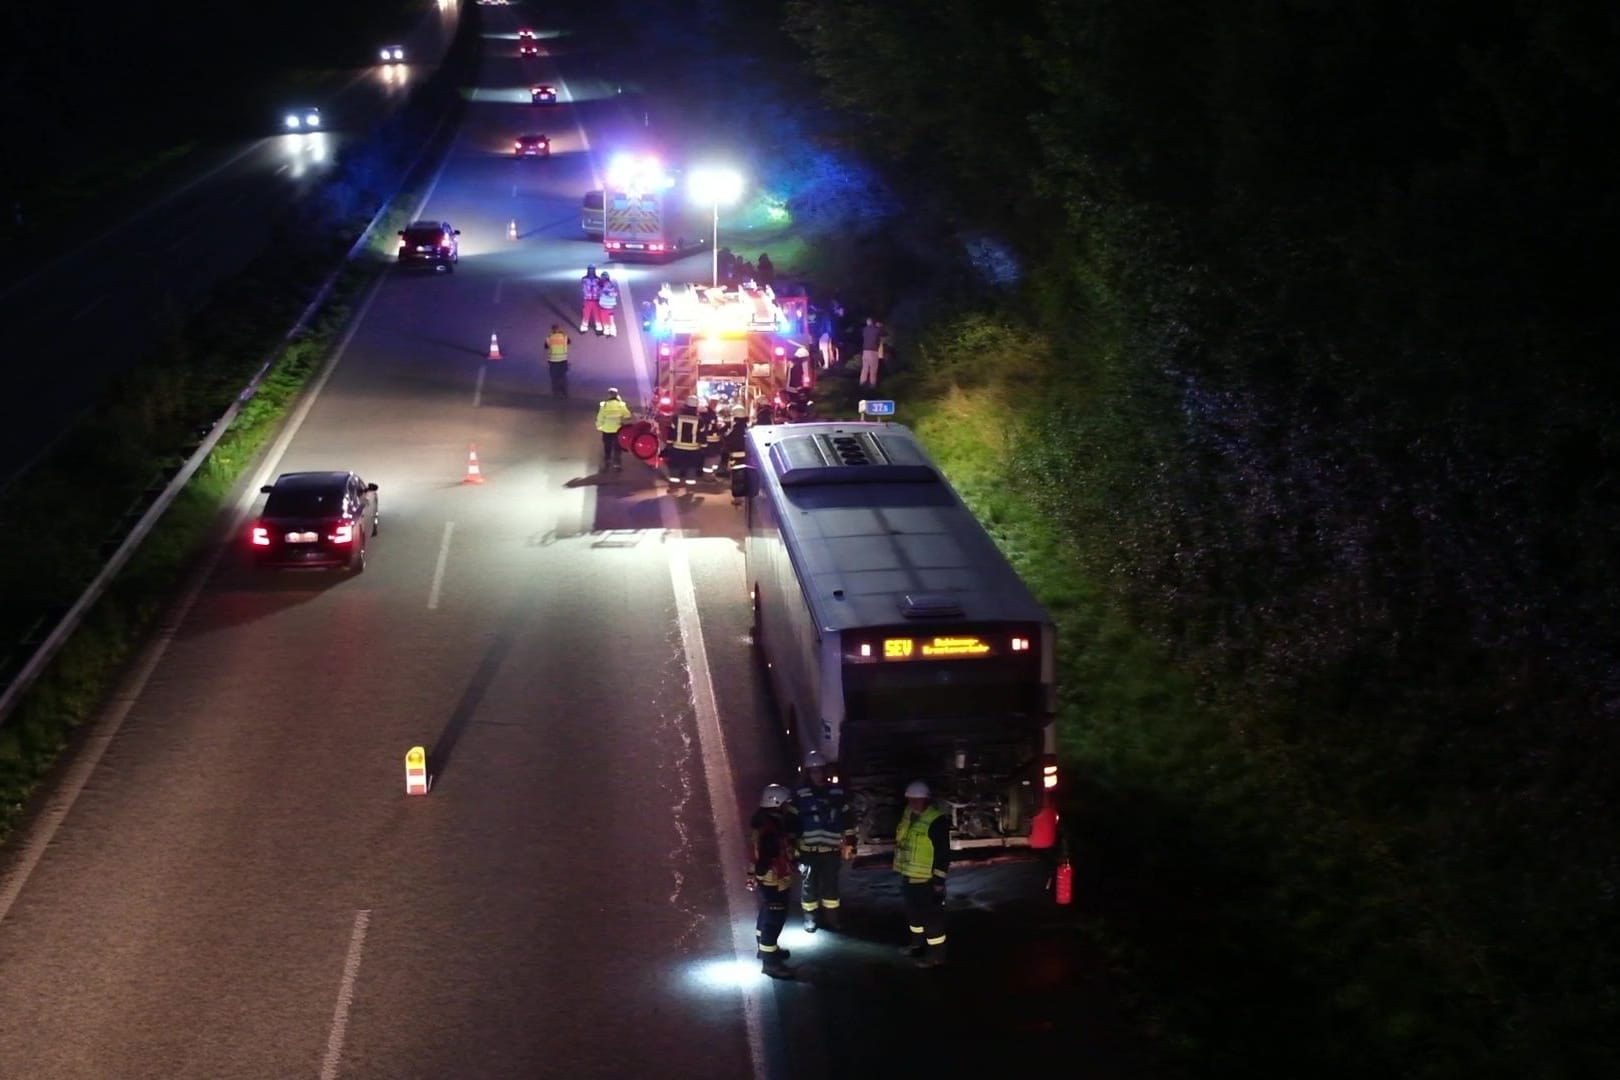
(896, 637)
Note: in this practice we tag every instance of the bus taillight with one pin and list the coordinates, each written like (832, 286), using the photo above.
(1049, 775)
(1021, 644)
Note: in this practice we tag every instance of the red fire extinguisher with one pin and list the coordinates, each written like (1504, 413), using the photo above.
(1063, 880)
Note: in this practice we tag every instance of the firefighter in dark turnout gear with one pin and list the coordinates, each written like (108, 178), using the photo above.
(922, 856)
(770, 876)
(824, 832)
(688, 430)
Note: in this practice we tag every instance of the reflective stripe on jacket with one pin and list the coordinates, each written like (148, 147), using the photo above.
(557, 346)
(686, 432)
(820, 817)
(917, 857)
(611, 415)
(609, 297)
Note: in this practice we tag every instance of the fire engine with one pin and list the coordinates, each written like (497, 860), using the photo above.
(733, 347)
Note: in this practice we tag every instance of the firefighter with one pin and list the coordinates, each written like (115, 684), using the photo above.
(801, 375)
(607, 303)
(713, 431)
(685, 451)
(732, 445)
(770, 876)
(590, 315)
(557, 360)
(922, 855)
(612, 414)
(824, 833)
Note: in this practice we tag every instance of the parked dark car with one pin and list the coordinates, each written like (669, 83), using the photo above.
(430, 243)
(315, 520)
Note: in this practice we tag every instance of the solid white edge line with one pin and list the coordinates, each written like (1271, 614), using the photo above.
(345, 996)
(107, 726)
(711, 737)
(438, 568)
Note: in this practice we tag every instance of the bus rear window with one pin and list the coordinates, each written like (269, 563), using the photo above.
(987, 689)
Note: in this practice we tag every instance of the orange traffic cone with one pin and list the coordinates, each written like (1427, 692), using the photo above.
(494, 347)
(474, 474)
(511, 229)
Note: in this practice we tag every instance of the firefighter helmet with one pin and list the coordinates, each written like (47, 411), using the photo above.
(917, 789)
(801, 352)
(814, 760)
(773, 796)
(692, 401)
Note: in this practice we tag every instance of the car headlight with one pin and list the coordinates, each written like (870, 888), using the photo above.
(292, 121)
(313, 121)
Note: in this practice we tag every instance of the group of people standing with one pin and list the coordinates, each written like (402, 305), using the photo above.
(697, 432)
(810, 829)
(599, 297)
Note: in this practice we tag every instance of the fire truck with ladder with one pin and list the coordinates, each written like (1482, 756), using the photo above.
(732, 347)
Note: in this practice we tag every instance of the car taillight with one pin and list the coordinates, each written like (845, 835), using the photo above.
(343, 534)
(261, 536)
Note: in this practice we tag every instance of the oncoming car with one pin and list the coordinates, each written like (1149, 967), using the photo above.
(528, 47)
(525, 34)
(315, 520)
(392, 54)
(305, 119)
(543, 94)
(532, 146)
(430, 243)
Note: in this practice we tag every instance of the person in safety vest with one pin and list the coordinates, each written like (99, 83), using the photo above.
(824, 833)
(557, 360)
(612, 414)
(590, 315)
(734, 442)
(770, 876)
(922, 855)
(607, 302)
(685, 451)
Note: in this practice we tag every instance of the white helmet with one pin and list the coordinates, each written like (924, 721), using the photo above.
(773, 796)
(917, 789)
(814, 760)
(692, 401)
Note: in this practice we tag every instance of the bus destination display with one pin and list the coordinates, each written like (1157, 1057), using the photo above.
(935, 648)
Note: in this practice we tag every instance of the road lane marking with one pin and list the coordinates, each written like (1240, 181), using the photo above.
(498, 283)
(438, 567)
(105, 728)
(281, 170)
(478, 387)
(345, 997)
(88, 308)
(711, 736)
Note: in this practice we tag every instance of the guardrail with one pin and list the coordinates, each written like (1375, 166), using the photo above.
(53, 642)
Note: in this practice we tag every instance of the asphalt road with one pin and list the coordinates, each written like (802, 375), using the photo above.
(228, 879)
(85, 314)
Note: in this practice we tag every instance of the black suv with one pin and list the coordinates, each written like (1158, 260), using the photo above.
(430, 243)
(315, 520)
